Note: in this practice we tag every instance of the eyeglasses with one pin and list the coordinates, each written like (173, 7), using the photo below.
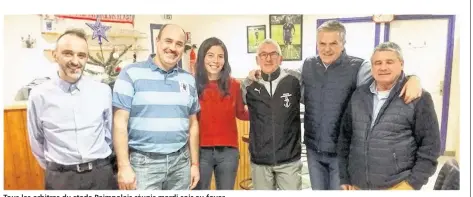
(273, 55)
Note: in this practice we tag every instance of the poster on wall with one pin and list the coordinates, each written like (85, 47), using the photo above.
(154, 31)
(286, 29)
(254, 36)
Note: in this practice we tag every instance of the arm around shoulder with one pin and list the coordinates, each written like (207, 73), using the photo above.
(240, 99)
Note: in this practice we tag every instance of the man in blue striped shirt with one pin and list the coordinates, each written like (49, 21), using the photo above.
(155, 124)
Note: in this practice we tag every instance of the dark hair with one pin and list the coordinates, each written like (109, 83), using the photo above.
(164, 26)
(201, 76)
(76, 32)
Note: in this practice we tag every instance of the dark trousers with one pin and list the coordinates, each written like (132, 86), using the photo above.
(323, 170)
(100, 177)
(223, 162)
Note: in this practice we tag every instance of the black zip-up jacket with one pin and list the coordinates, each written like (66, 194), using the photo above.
(275, 125)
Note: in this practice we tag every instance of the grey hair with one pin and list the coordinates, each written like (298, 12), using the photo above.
(333, 25)
(269, 41)
(389, 46)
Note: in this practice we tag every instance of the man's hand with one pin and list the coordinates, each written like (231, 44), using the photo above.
(195, 176)
(254, 75)
(126, 178)
(348, 187)
(411, 90)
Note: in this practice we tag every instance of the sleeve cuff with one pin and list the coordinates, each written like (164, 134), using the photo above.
(195, 111)
(117, 105)
(414, 184)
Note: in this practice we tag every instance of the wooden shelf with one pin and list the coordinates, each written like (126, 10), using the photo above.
(108, 35)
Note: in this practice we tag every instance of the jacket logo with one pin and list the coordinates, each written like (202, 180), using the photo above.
(286, 99)
(258, 90)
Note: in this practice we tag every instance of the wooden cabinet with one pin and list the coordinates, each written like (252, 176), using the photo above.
(21, 170)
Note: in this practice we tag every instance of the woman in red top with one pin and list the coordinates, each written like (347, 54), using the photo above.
(221, 103)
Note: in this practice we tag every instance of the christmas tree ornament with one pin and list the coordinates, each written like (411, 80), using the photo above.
(99, 30)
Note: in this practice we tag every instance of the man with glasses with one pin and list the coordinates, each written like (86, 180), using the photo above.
(275, 132)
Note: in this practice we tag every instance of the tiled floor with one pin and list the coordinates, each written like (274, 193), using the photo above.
(428, 186)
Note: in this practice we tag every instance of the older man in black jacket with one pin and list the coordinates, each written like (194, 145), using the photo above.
(275, 124)
(385, 143)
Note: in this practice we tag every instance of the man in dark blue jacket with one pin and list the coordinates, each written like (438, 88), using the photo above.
(385, 143)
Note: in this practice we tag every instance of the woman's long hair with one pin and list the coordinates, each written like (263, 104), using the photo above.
(201, 76)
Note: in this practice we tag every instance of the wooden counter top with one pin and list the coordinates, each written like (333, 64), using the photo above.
(16, 105)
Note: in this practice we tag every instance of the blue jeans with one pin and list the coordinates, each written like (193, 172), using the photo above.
(162, 172)
(223, 162)
(323, 170)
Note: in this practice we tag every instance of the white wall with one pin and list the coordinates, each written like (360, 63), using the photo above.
(22, 64)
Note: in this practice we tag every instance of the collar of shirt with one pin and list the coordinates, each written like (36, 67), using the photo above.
(326, 66)
(155, 67)
(67, 86)
(379, 94)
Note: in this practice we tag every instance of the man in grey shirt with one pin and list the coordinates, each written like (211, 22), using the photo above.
(69, 120)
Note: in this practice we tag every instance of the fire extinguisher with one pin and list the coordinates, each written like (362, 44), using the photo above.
(193, 59)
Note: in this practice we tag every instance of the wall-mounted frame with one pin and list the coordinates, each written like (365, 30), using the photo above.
(154, 31)
(254, 35)
(286, 29)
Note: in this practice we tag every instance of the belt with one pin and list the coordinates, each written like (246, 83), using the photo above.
(88, 166)
(177, 152)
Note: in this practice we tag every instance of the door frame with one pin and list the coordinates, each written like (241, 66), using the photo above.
(448, 65)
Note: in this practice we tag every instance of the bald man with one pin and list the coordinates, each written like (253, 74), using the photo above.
(69, 120)
(156, 134)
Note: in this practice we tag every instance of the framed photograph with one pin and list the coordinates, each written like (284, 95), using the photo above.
(154, 32)
(286, 29)
(254, 36)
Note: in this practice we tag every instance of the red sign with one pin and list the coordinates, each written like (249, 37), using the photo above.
(113, 18)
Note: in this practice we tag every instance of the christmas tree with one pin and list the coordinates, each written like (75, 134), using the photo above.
(110, 65)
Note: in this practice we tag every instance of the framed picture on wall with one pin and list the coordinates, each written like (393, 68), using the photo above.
(254, 36)
(286, 29)
(154, 32)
